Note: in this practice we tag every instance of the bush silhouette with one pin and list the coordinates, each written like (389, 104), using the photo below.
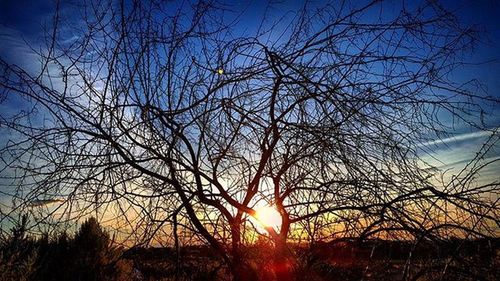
(89, 256)
(92, 252)
(18, 254)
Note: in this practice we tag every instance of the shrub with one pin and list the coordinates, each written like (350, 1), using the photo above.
(88, 256)
(18, 254)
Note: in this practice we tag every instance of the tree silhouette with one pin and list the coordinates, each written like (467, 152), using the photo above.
(159, 114)
(89, 255)
(92, 250)
(17, 253)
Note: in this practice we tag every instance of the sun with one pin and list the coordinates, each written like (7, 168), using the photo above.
(268, 217)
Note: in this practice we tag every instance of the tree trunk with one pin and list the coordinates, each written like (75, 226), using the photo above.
(177, 248)
(282, 264)
(239, 267)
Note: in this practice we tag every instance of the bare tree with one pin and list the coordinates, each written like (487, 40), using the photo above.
(161, 110)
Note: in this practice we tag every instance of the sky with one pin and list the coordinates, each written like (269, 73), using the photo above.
(23, 23)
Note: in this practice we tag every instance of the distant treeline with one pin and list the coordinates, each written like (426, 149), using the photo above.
(401, 250)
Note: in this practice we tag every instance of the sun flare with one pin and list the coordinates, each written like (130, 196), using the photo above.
(268, 217)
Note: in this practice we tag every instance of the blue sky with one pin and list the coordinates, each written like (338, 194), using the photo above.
(22, 24)
(27, 20)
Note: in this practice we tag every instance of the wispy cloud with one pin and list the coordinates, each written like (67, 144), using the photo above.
(15, 49)
(43, 202)
(451, 155)
(462, 137)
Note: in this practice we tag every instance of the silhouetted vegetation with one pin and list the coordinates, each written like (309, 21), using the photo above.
(88, 255)
(18, 254)
(455, 259)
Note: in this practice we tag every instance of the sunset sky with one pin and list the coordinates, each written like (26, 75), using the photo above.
(22, 22)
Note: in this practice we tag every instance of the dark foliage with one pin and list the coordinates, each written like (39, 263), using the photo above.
(89, 255)
(197, 263)
(17, 254)
(454, 259)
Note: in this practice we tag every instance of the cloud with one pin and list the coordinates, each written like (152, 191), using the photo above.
(16, 50)
(462, 137)
(43, 202)
(454, 153)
